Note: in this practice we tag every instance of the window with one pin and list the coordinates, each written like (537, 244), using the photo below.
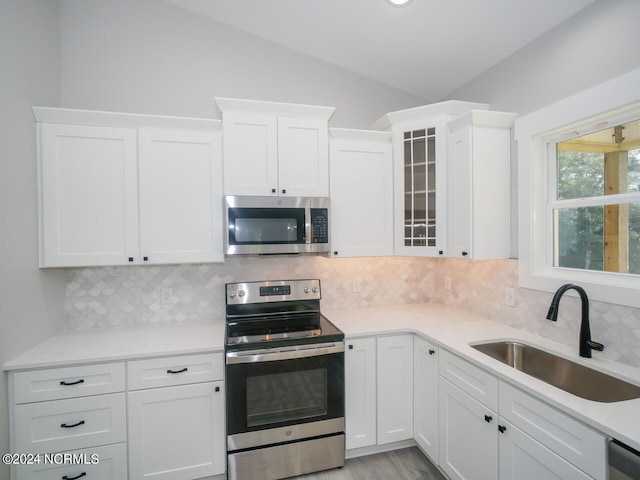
(579, 193)
(595, 202)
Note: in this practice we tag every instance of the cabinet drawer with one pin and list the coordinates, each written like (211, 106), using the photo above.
(70, 424)
(98, 463)
(68, 382)
(583, 447)
(169, 371)
(470, 379)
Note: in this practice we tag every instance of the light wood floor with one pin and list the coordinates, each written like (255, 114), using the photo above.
(404, 464)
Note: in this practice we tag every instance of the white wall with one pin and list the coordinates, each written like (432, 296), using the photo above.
(31, 301)
(147, 56)
(596, 45)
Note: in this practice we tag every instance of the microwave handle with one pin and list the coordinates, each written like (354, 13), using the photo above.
(308, 231)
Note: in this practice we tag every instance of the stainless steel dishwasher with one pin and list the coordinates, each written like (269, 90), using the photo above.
(624, 462)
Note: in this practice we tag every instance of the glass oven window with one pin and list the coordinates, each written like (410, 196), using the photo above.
(283, 397)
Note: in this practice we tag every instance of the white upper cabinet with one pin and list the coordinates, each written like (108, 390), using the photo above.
(272, 149)
(420, 175)
(180, 196)
(149, 191)
(478, 185)
(361, 173)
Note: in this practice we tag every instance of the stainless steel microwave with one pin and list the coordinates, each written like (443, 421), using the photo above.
(276, 225)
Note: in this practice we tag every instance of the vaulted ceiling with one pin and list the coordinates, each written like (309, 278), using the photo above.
(428, 48)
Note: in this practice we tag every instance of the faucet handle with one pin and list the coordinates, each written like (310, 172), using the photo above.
(595, 345)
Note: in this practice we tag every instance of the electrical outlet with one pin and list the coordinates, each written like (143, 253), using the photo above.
(447, 283)
(510, 296)
(166, 295)
(357, 285)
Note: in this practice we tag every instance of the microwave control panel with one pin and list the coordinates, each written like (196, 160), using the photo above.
(320, 225)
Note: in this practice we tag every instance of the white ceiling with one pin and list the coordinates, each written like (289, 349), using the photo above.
(428, 49)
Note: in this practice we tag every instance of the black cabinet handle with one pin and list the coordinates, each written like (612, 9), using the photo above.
(350, 347)
(217, 389)
(440, 252)
(502, 428)
(284, 190)
(273, 190)
(146, 259)
(335, 252)
(431, 352)
(83, 474)
(177, 371)
(131, 259)
(488, 418)
(464, 254)
(64, 425)
(67, 384)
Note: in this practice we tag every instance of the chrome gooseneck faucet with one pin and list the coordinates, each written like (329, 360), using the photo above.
(586, 344)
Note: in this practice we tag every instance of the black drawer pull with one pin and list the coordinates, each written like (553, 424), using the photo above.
(67, 384)
(64, 425)
(502, 428)
(488, 418)
(431, 352)
(83, 474)
(350, 347)
(217, 389)
(177, 371)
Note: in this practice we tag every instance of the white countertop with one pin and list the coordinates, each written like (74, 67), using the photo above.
(449, 328)
(122, 343)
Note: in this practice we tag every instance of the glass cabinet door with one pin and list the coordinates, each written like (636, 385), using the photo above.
(420, 219)
(420, 160)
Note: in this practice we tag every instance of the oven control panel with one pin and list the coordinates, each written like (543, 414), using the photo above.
(272, 291)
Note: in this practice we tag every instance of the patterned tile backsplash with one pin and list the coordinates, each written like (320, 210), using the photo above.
(116, 296)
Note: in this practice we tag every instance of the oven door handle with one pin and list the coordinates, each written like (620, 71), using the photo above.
(290, 353)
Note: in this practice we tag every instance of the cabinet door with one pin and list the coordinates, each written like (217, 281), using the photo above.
(425, 399)
(523, 458)
(303, 157)
(361, 198)
(177, 433)
(360, 393)
(180, 178)
(395, 388)
(459, 193)
(468, 436)
(88, 197)
(478, 185)
(250, 153)
(419, 151)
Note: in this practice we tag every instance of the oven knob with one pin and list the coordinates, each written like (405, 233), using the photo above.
(241, 293)
(306, 289)
(315, 289)
(232, 293)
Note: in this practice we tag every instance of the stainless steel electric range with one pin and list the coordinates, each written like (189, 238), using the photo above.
(285, 381)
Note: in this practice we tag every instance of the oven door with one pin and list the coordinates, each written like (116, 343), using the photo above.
(284, 394)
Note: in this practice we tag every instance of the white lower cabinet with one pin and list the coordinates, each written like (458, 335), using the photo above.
(468, 436)
(176, 431)
(160, 418)
(425, 397)
(523, 458)
(360, 393)
(100, 463)
(491, 430)
(379, 390)
(73, 419)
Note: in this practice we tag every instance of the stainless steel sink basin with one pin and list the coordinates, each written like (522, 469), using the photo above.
(560, 372)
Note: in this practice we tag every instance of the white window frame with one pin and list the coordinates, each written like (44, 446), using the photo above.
(536, 134)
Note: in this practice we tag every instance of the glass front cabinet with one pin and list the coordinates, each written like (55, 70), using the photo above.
(420, 168)
(420, 175)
